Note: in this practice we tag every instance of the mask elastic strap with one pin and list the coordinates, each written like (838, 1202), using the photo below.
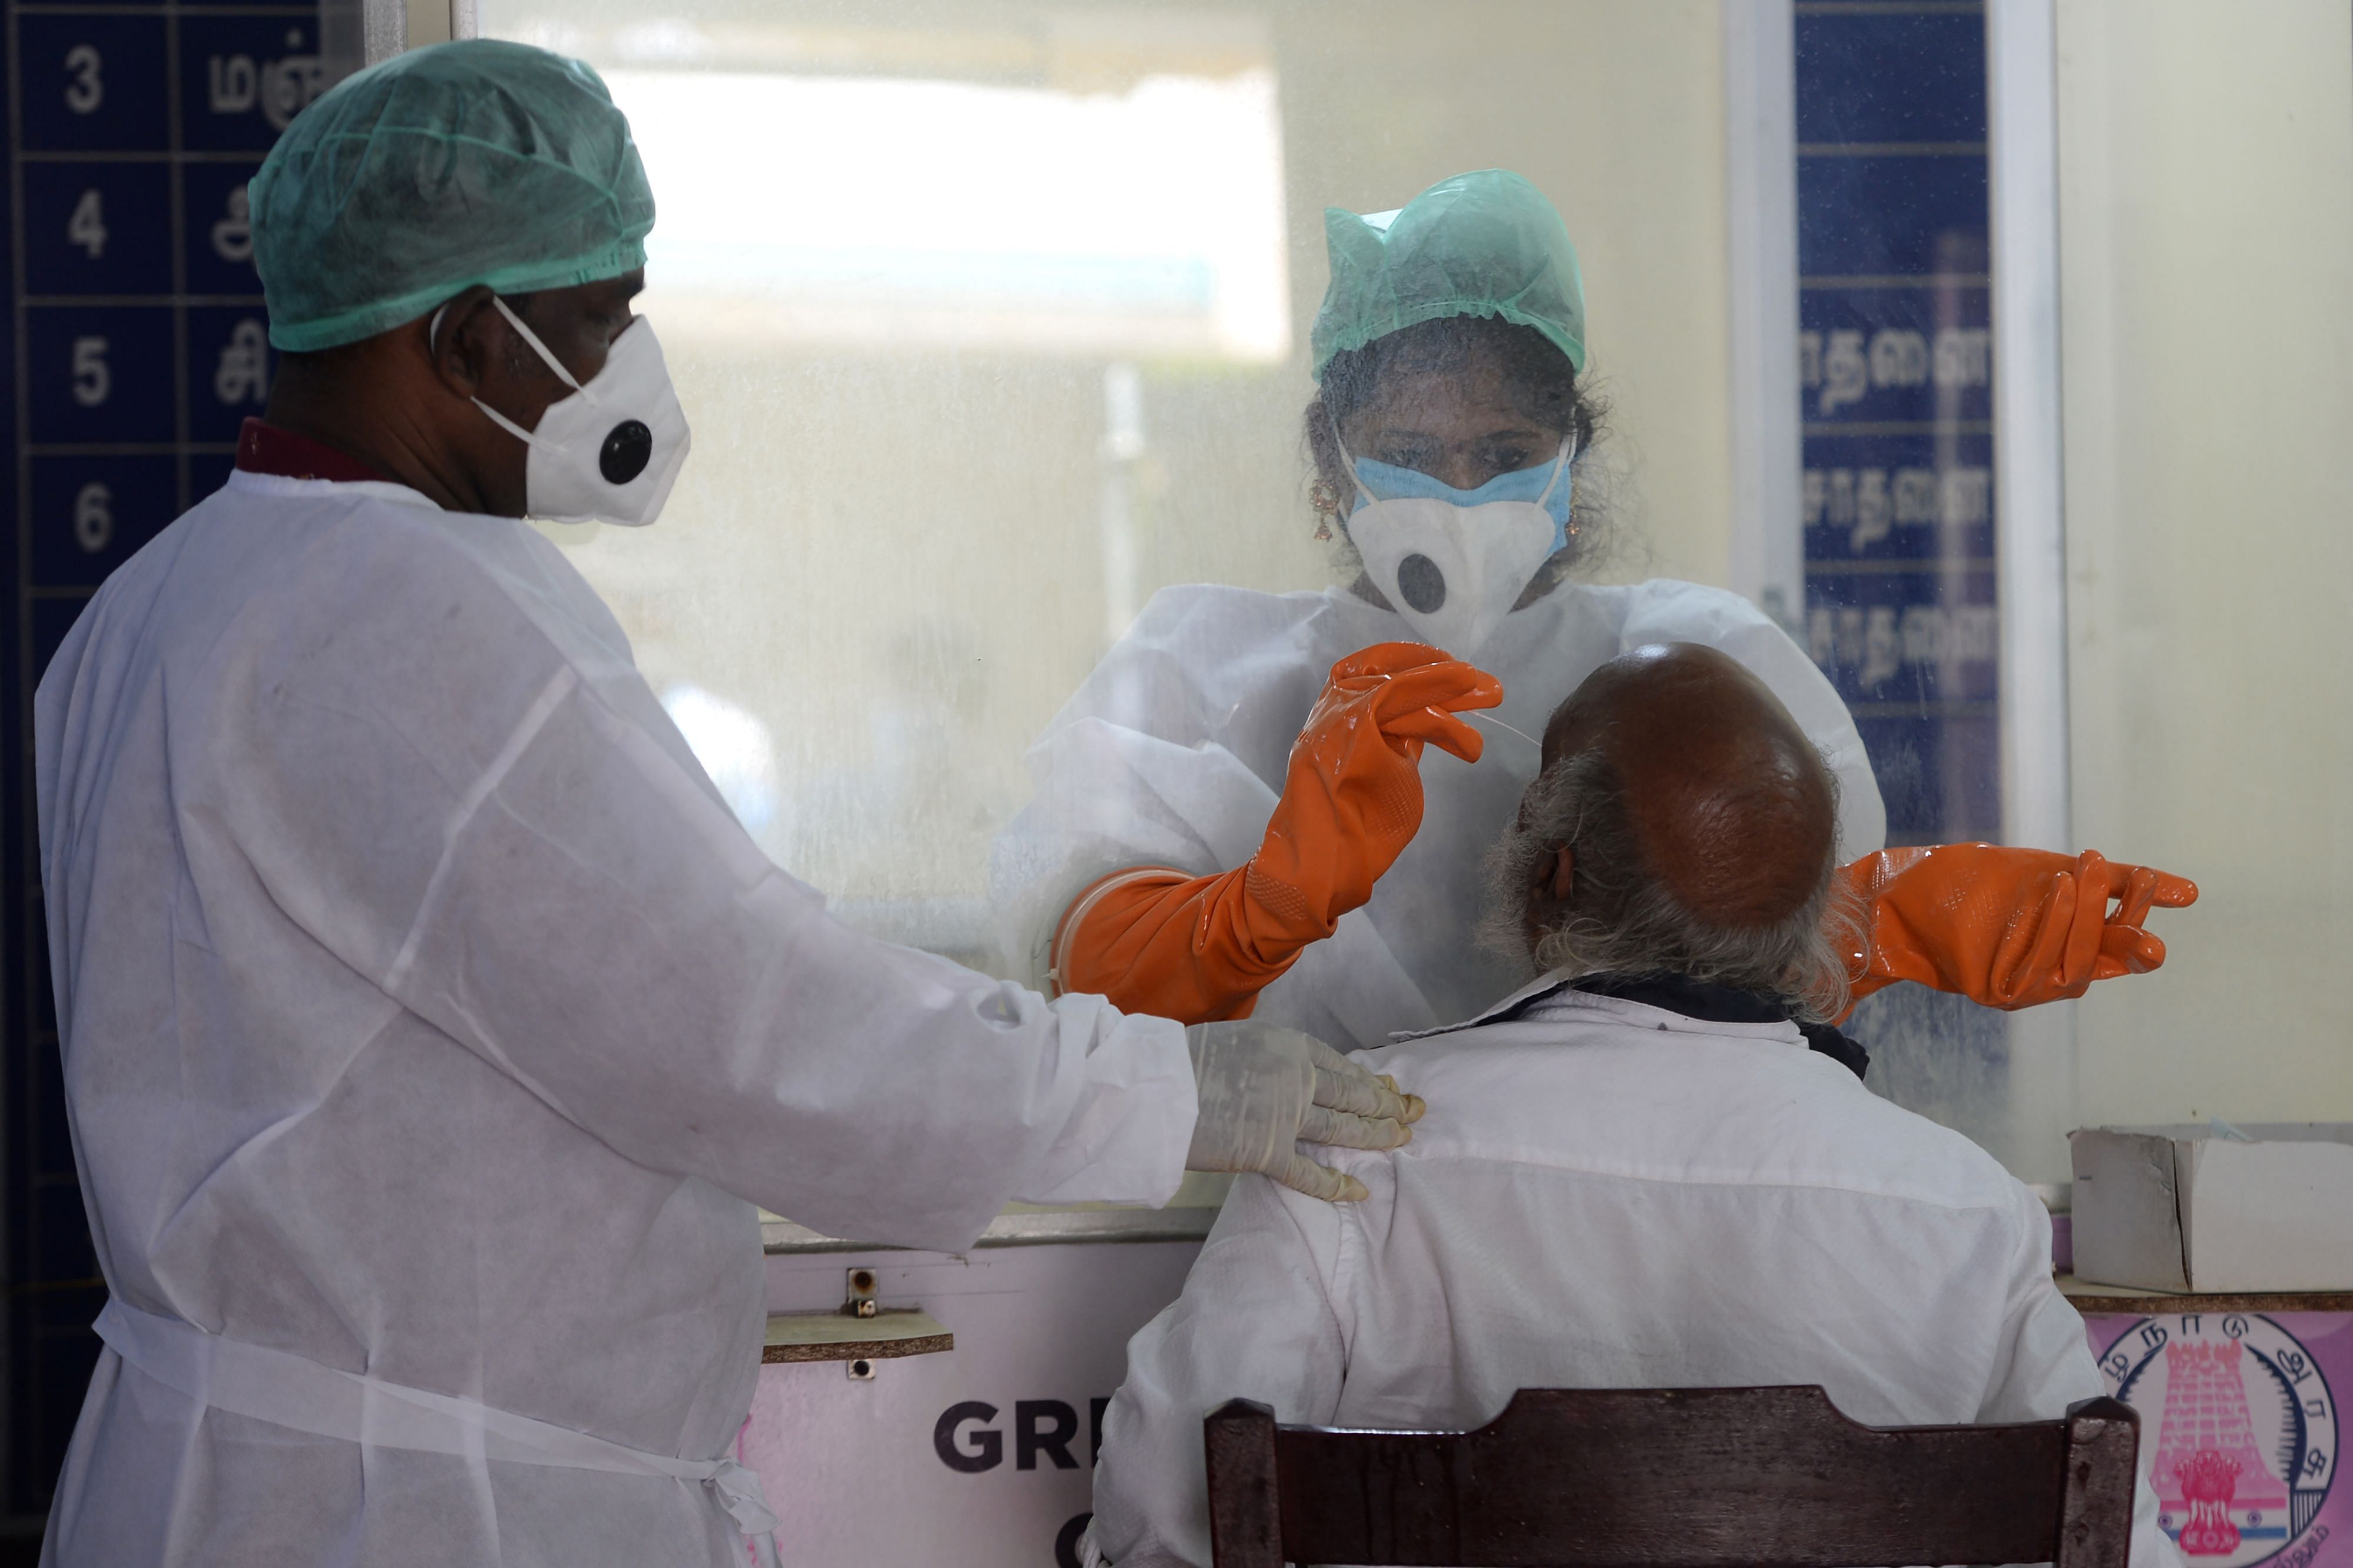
(1560, 466)
(509, 426)
(1348, 462)
(532, 339)
(432, 338)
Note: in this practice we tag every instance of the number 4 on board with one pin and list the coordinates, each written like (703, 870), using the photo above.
(87, 227)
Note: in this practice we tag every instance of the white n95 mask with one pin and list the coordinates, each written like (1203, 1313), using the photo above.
(611, 451)
(1453, 562)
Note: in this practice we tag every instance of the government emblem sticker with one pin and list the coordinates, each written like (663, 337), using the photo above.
(2238, 1432)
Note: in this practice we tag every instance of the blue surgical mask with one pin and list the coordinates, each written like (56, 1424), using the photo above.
(1386, 481)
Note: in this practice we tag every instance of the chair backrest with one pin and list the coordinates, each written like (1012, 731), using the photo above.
(1667, 1478)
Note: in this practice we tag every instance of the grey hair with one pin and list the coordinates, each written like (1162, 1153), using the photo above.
(1621, 920)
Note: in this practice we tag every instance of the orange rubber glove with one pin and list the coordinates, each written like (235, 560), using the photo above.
(1199, 949)
(2006, 927)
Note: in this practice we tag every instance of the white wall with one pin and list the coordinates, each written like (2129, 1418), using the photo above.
(2206, 225)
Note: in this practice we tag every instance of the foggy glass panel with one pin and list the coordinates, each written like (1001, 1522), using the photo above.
(992, 321)
(1895, 387)
(968, 306)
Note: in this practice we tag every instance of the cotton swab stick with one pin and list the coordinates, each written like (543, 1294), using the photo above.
(1498, 723)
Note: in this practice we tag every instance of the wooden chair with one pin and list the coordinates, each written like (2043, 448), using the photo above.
(1666, 1477)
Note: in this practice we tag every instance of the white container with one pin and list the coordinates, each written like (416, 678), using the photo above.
(983, 1456)
(2197, 1208)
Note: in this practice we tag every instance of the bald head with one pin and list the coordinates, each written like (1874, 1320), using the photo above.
(1683, 823)
(1731, 808)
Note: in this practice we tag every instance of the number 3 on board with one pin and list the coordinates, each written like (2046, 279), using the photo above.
(85, 91)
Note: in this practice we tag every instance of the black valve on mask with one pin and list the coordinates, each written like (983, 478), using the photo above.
(627, 448)
(1422, 584)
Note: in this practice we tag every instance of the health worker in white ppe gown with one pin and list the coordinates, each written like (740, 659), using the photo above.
(430, 1029)
(1272, 805)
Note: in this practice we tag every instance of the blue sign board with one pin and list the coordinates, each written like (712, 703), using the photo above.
(1896, 379)
(136, 342)
(1895, 374)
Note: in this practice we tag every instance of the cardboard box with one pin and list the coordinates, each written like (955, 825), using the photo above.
(2262, 1207)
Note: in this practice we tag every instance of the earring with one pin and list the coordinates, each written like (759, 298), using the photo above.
(1327, 502)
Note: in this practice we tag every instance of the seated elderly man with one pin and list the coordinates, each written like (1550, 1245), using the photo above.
(1633, 1172)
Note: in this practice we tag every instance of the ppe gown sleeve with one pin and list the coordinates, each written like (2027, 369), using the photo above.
(1662, 611)
(509, 841)
(1171, 753)
(2045, 1364)
(1257, 1321)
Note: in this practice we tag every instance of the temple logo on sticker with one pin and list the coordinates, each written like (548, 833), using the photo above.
(2238, 1430)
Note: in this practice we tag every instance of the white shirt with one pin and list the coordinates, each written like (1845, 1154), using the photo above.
(1603, 1194)
(426, 1014)
(1173, 753)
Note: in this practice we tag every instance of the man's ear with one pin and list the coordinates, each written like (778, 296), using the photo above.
(1563, 880)
(1556, 878)
(466, 338)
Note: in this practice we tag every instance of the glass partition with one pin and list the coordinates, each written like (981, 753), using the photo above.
(992, 318)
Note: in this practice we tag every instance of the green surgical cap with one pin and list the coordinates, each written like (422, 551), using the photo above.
(476, 162)
(1477, 245)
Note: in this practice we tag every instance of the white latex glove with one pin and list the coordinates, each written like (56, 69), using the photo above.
(1265, 1089)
